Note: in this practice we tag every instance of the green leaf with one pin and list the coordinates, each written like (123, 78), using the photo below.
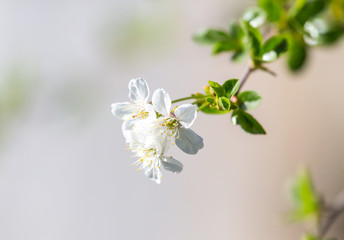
(319, 31)
(211, 109)
(331, 36)
(310, 237)
(211, 36)
(247, 122)
(254, 16)
(306, 202)
(297, 54)
(248, 100)
(273, 8)
(224, 103)
(254, 40)
(230, 45)
(309, 10)
(238, 56)
(211, 100)
(236, 31)
(218, 89)
(231, 86)
(273, 47)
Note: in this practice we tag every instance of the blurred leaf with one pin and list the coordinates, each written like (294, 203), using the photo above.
(310, 237)
(210, 100)
(318, 31)
(248, 100)
(218, 89)
(238, 56)
(211, 36)
(254, 40)
(309, 10)
(230, 45)
(224, 103)
(247, 122)
(208, 90)
(306, 202)
(331, 36)
(297, 54)
(236, 31)
(273, 8)
(254, 16)
(231, 86)
(337, 10)
(273, 47)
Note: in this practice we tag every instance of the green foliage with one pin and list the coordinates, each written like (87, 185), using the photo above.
(273, 8)
(254, 16)
(211, 36)
(235, 31)
(231, 86)
(264, 52)
(264, 33)
(306, 201)
(295, 24)
(224, 47)
(308, 10)
(219, 101)
(217, 88)
(220, 40)
(319, 32)
(255, 39)
(249, 100)
(210, 100)
(247, 122)
(238, 56)
(224, 103)
(273, 47)
(310, 237)
(297, 54)
(210, 108)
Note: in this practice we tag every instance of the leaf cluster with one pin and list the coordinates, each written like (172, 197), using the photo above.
(308, 206)
(223, 98)
(306, 202)
(289, 26)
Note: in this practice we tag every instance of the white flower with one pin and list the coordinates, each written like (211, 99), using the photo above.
(151, 155)
(137, 109)
(151, 128)
(176, 124)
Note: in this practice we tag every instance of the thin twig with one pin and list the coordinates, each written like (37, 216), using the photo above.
(244, 78)
(265, 69)
(336, 209)
(188, 98)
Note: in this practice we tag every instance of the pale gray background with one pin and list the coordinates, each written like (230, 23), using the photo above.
(64, 172)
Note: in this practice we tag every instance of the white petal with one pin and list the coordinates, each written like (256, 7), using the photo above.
(153, 171)
(138, 90)
(161, 102)
(171, 164)
(151, 112)
(128, 132)
(188, 141)
(186, 114)
(123, 110)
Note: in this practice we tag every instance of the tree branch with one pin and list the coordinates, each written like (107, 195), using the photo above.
(244, 78)
(336, 209)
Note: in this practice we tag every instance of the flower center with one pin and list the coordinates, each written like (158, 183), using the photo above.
(142, 115)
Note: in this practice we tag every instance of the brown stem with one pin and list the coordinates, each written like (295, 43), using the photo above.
(336, 209)
(244, 78)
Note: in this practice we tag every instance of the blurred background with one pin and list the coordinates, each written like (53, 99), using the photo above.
(64, 171)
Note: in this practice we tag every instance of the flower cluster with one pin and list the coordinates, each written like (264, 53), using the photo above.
(150, 128)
